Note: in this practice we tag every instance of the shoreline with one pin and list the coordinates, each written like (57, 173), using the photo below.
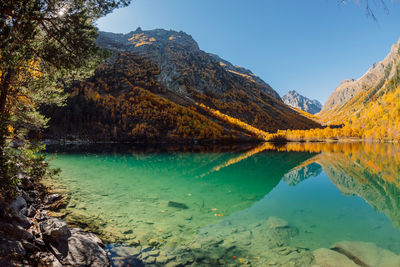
(31, 236)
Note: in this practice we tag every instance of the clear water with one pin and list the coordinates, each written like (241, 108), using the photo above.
(327, 193)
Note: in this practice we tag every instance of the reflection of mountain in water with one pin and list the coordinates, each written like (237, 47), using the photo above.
(173, 191)
(354, 178)
(296, 175)
(371, 171)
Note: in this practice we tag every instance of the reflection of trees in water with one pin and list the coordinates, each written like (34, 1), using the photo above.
(369, 170)
(243, 156)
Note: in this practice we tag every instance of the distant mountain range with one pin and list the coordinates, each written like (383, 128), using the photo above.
(150, 90)
(294, 99)
(353, 95)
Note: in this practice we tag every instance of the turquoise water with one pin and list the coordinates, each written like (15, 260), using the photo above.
(228, 203)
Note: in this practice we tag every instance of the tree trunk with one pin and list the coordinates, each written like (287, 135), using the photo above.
(4, 88)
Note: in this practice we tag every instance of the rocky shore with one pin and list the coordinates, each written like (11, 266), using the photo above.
(29, 236)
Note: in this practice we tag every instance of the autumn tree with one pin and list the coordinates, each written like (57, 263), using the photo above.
(44, 45)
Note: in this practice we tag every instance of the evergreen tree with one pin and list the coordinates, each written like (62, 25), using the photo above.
(44, 45)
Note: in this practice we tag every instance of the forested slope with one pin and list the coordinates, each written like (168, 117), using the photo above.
(150, 89)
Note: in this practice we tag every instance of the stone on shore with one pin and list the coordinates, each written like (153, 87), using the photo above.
(80, 249)
(14, 232)
(31, 212)
(54, 228)
(19, 219)
(50, 199)
(10, 247)
(19, 203)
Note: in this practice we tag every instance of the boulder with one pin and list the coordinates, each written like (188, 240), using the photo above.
(367, 254)
(31, 211)
(47, 259)
(328, 258)
(24, 211)
(19, 203)
(42, 216)
(27, 197)
(275, 223)
(10, 248)
(49, 199)
(29, 246)
(80, 249)
(14, 232)
(53, 229)
(19, 219)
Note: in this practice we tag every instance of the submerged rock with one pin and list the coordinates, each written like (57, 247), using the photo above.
(367, 254)
(178, 205)
(328, 258)
(275, 223)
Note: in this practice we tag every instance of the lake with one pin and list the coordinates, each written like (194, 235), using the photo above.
(261, 206)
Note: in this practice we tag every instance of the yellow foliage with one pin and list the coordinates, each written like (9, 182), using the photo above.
(378, 120)
(233, 121)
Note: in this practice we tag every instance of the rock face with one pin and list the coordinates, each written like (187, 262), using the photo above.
(351, 87)
(172, 50)
(197, 76)
(294, 99)
(165, 76)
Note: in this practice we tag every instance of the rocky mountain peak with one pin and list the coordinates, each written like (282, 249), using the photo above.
(294, 99)
(172, 50)
(139, 40)
(347, 89)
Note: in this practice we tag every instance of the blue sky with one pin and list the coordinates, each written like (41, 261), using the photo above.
(305, 45)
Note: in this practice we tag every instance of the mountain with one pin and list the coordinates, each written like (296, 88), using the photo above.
(352, 95)
(152, 87)
(294, 99)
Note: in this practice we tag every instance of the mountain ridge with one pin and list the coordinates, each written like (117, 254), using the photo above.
(138, 41)
(296, 100)
(164, 72)
(352, 94)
